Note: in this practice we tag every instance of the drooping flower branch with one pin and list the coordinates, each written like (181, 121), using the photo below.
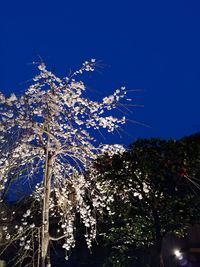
(46, 135)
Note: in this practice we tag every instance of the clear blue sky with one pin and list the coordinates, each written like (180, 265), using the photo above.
(151, 45)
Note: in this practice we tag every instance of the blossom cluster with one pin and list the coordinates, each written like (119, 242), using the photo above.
(54, 118)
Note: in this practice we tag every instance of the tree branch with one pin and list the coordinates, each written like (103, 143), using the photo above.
(57, 238)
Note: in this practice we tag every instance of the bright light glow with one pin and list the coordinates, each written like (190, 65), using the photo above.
(178, 254)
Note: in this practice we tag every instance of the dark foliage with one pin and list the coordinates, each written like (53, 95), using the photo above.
(164, 178)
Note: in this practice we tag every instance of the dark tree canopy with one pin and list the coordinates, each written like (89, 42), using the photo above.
(161, 179)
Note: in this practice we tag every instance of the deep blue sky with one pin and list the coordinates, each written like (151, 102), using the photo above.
(150, 45)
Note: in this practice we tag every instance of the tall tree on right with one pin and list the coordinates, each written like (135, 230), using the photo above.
(156, 188)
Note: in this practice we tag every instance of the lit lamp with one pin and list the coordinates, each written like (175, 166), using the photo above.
(178, 254)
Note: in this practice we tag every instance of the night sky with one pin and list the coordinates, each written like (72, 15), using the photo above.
(149, 45)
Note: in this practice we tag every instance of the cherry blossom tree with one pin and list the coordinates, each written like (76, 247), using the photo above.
(46, 137)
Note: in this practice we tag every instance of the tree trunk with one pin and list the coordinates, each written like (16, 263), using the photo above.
(156, 258)
(161, 260)
(158, 240)
(45, 210)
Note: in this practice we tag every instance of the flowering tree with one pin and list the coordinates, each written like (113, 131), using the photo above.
(45, 136)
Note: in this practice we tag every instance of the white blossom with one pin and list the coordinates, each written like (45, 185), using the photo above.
(54, 115)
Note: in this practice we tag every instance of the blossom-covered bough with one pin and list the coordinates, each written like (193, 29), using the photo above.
(45, 136)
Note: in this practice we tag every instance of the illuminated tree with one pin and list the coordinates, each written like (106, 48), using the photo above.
(46, 138)
(156, 190)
